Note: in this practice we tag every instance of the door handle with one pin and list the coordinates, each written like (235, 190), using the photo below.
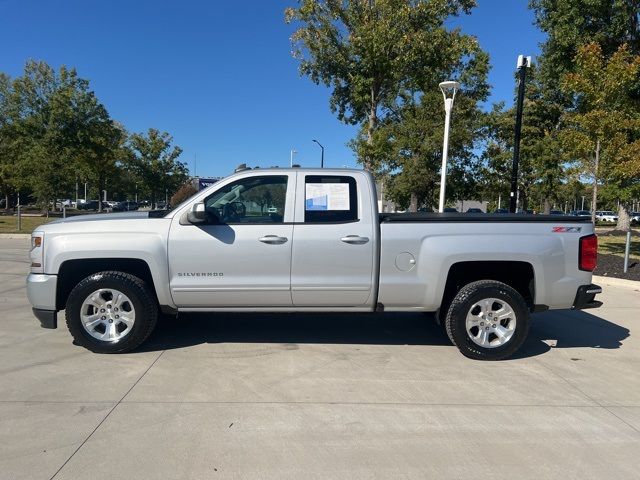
(354, 239)
(273, 239)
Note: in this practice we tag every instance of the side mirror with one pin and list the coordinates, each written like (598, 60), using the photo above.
(197, 214)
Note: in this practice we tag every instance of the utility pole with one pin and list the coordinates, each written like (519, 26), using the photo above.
(321, 154)
(449, 90)
(523, 64)
(293, 152)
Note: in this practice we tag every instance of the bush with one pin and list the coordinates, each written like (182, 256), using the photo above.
(184, 192)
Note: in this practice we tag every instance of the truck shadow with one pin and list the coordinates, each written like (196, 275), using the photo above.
(563, 329)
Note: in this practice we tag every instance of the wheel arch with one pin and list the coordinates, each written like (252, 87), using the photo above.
(71, 272)
(519, 275)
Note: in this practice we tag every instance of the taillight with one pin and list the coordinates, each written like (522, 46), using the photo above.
(588, 256)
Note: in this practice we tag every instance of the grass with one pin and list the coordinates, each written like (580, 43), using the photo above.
(9, 224)
(615, 245)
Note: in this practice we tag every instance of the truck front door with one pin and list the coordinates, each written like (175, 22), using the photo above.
(242, 257)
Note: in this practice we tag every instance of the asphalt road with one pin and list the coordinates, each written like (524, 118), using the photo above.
(318, 396)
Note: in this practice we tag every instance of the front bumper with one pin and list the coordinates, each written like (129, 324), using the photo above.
(48, 318)
(585, 297)
(41, 292)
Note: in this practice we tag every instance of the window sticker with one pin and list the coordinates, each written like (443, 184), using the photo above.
(327, 196)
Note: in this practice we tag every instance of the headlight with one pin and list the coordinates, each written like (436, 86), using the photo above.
(37, 252)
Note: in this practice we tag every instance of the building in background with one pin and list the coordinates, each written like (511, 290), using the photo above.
(200, 183)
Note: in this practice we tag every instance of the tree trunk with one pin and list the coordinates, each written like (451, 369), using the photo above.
(547, 206)
(100, 189)
(372, 124)
(594, 198)
(624, 219)
(413, 203)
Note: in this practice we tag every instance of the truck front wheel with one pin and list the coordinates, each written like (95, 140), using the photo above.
(111, 312)
(487, 320)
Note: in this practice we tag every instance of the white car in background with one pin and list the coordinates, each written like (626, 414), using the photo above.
(606, 216)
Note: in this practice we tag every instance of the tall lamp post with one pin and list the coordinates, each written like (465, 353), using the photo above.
(523, 64)
(293, 152)
(321, 154)
(449, 90)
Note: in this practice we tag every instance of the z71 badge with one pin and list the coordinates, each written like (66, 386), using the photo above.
(566, 229)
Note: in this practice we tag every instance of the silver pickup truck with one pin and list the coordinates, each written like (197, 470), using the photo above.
(302, 240)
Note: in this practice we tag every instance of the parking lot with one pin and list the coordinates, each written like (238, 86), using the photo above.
(318, 396)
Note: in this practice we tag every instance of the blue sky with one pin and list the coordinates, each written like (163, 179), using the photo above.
(218, 75)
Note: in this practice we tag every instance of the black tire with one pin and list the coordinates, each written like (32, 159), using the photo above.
(142, 300)
(461, 305)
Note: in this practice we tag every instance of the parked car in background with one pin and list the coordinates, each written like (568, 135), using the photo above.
(606, 216)
(161, 206)
(580, 213)
(93, 205)
(112, 203)
(62, 203)
(635, 217)
(501, 210)
(450, 210)
(126, 206)
(474, 210)
(556, 212)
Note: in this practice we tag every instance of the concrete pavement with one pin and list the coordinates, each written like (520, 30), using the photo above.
(318, 396)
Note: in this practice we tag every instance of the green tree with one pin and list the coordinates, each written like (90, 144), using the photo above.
(409, 144)
(59, 128)
(603, 131)
(8, 156)
(154, 160)
(542, 164)
(368, 52)
(571, 24)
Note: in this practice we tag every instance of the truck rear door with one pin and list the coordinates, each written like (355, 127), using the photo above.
(335, 234)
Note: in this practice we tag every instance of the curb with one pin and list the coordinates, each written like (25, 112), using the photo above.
(15, 235)
(616, 282)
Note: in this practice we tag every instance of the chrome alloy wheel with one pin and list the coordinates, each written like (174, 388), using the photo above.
(491, 322)
(107, 315)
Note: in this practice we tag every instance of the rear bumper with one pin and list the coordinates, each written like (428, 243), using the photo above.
(48, 318)
(585, 297)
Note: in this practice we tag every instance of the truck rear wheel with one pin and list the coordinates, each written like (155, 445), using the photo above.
(487, 320)
(111, 312)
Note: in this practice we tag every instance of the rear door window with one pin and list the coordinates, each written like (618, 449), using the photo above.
(330, 199)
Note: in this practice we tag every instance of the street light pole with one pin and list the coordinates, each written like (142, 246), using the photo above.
(446, 87)
(523, 64)
(293, 152)
(321, 154)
